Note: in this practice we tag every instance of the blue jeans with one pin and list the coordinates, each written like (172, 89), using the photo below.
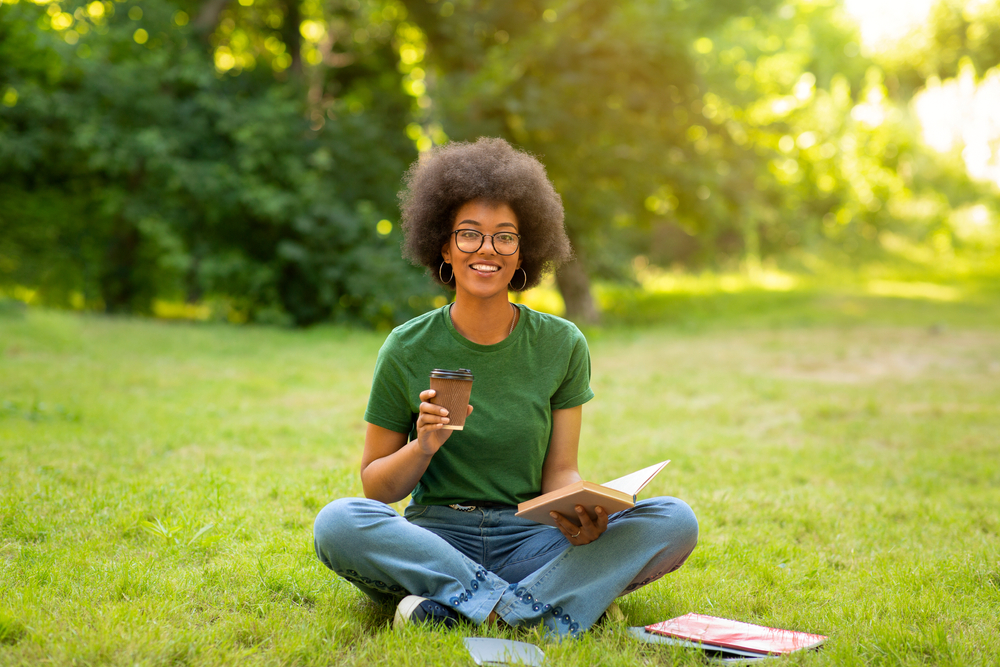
(488, 559)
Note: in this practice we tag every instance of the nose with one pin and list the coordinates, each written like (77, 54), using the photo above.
(488, 238)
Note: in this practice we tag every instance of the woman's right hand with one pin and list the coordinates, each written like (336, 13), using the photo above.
(431, 422)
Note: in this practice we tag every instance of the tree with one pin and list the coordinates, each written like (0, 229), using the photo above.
(955, 30)
(607, 93)
(148, 172)
(746, 131)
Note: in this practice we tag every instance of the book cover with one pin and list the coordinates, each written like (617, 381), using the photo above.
(711, 632)
(613, 496)
(713, 653)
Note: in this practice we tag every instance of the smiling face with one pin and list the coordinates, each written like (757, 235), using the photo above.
(484, 273)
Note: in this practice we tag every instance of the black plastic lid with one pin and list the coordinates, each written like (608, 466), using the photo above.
(460, 374)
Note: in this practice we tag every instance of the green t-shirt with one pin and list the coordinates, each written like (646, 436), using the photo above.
(544, 365)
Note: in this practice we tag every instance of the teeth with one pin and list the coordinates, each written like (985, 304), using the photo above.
(485, 267)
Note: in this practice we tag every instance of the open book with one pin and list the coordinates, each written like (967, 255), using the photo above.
(726, 638)
(613, 496)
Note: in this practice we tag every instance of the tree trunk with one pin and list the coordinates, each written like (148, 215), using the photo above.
(118, 281)
(751, 243)
(193, 291)
(291, 36)
(208, 18)
(124, 287)
(574, 285)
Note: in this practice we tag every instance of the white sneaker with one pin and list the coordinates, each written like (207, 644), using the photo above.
(420, 611)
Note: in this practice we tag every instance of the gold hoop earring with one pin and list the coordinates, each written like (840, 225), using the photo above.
(441, 270)
(518, 289)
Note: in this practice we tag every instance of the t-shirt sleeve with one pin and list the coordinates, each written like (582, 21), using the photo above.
(388, 402)
(575, 388)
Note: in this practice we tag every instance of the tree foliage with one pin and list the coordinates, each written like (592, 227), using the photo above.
(247, 154)
(955, 30)
(695, 133)
(131, 170)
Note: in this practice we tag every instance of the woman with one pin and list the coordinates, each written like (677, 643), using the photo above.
(485, 220)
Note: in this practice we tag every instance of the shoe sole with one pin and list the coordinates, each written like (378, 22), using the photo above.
(404, 610)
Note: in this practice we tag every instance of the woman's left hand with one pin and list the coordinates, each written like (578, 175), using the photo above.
(587, 531)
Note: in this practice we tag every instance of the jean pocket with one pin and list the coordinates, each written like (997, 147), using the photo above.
(415, 511)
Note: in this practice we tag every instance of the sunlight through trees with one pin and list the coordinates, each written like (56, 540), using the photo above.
(243, 157)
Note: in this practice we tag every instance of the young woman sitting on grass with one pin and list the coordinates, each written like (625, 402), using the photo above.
(484, 218)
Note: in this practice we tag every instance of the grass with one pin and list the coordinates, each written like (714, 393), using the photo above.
(158, 482)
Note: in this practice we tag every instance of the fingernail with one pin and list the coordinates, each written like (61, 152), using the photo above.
(444, 412)
(552, 514)
(579, 508)
(445, 419)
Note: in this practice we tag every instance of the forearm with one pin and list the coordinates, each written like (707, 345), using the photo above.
(560, 467)
(392, 478)
(557, 479)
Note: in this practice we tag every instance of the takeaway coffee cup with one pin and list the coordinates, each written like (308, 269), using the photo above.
(453, 389)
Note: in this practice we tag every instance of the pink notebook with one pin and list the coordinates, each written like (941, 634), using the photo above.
(712, 631)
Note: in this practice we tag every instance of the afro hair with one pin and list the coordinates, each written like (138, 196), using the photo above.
(438, 184)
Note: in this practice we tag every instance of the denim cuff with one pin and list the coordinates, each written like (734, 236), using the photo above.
(479, 598)
(519, 607)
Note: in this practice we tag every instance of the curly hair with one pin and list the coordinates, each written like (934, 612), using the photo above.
(437, 185)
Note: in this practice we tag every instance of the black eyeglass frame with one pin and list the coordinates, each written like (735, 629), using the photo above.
(482, 240)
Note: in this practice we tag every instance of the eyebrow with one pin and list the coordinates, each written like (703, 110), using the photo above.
(478, 224)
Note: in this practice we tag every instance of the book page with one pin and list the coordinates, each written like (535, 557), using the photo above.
(633, 482)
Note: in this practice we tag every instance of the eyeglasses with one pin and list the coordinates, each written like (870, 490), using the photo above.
(469, 240)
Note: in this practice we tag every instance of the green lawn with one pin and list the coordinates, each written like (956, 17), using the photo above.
(842, 453)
